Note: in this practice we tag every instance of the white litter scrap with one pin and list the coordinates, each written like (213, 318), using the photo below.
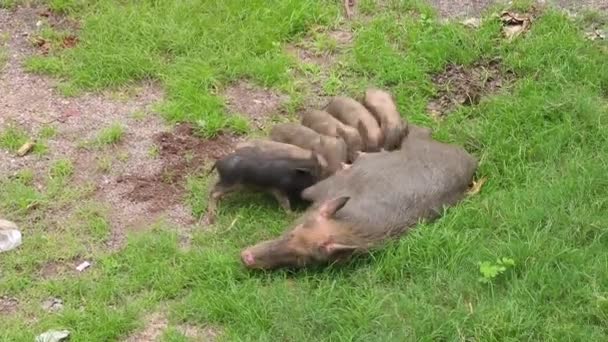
(53, 336)
(10, 236)
(83, 266)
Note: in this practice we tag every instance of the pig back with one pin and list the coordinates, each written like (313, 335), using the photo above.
(391, 191)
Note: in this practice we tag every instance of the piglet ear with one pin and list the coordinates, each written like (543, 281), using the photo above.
(329, 208)
(303, 170)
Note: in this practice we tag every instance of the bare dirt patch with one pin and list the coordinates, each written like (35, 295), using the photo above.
(156, 324)
(8, 305)
(254, 102)
(143, 195)
(458, 9)
(196, 333)
(306, 52)
(461, 85)
(53, 269)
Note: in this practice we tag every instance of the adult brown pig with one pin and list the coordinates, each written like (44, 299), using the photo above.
(380, 197)
(323, 123)
(382, 106)
(333, 149)
(354, 114)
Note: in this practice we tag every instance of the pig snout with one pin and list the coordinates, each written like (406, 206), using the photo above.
(265, 255)
(248, 258)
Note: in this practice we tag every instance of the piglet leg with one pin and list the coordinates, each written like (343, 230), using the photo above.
(283, 200)
(217, 192)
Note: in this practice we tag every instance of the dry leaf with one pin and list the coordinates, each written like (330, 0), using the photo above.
(69, 42)
(476, 187)
(26, 148)
(514, 24)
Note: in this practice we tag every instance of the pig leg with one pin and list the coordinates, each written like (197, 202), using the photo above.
(283, 200)
(218, 191)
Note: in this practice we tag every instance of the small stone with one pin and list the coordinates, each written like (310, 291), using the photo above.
(52, 304)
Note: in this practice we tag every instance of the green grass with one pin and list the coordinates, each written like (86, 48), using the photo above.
(542, 143)
(12, 138)
(194, 56)
(110, 135)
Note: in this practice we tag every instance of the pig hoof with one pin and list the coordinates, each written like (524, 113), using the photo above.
(247, 258)
(346, 166)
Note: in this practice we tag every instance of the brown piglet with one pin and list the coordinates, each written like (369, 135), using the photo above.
(323, 123)
(333, 149)
(354, 114)
(382, 106)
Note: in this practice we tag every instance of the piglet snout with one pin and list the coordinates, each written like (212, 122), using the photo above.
(247, 258)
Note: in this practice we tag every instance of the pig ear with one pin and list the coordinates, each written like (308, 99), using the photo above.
(329, 208)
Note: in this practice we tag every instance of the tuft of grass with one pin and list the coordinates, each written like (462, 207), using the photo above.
(61, 170)
(95, 225)
(104, 164)
(12, 138)
(111, 135)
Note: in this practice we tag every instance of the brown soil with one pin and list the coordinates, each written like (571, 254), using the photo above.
(256, 103)
(54, 269)
(8, 305)
(459, 9)
(156, 324)
(182, 154)
(458, 85)
(196, 333)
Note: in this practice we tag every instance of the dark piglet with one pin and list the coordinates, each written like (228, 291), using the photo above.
(331, 148)
(283, 177)
(282, 150)
(381, 197)
(354, 114)
(382, 106)
(323, 123)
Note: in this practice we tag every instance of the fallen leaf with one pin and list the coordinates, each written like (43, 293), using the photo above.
(514, 24)
(69, 42)
(26, 148)
(476, 187)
